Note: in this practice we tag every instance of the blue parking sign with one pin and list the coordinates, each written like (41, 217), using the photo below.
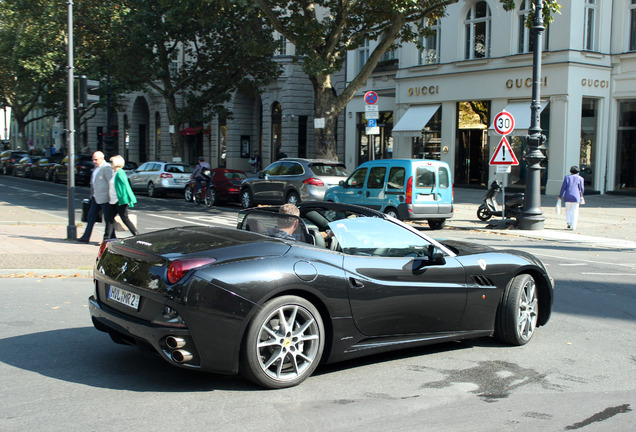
(372, 122)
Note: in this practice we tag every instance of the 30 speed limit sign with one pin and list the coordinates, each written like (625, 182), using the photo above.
(504, 123)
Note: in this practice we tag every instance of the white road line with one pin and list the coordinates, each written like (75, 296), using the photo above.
(582, 260)
(573, 265)
(609, 274)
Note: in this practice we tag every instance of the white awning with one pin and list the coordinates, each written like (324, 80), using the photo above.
(414, 120)
(522, 114)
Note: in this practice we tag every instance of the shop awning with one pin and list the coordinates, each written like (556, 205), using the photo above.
(190, 131)
(414, 120)
(522, 114)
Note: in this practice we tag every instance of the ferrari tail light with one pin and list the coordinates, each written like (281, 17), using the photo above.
(102, 248)
(409, 191)
(165, 175)
(179, 268)
(314, 182)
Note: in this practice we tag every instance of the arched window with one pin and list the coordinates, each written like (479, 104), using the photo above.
(477, 26)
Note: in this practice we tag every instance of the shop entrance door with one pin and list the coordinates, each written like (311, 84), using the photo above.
(471, 155)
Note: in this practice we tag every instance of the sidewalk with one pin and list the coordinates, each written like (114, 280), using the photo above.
(33, 243)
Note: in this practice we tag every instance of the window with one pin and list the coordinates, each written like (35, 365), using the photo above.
(429, 53)
(376, 178)
(425, 177)
(281, 45)
(363, 54)
(526, 41)
(477, 25)
(357, 178)
(589, 43)
(589, 120)
(632, 25)
(444, 178)
(396, 178)
(174, 63)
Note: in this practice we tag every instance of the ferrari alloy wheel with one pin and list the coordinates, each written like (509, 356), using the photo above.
(483, 213)
(284, 343)
(518, 311)
(247, 200)
(210, 197)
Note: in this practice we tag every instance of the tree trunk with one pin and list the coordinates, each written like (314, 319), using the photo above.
(325, 137)
(175, 138)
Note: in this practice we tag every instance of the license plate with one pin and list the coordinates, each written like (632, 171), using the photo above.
(124, 297)
(180, 180)
(425, 197)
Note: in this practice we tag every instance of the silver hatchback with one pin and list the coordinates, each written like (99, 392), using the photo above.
(157, 177)
(292, 180)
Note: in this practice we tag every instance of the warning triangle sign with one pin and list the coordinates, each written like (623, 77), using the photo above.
(504, 154)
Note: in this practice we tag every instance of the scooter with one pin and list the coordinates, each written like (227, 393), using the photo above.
(490, 207)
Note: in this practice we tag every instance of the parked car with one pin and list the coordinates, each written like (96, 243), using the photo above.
(43, 168)
(83, 170)
(242, 301)
(157, 177)
(292, 180)
(225, 185)
(22, 167)
(130, 167)
(8, 158)
(403, 188)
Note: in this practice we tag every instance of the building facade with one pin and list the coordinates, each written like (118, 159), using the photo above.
(439, 102)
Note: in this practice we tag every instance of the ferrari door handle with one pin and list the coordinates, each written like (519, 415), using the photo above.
(355, 283)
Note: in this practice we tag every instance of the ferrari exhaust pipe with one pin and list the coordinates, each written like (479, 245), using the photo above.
(175, 342)
(181, 356)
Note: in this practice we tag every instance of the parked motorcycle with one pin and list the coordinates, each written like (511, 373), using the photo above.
(490, 207)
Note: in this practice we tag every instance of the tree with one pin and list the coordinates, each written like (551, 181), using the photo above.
(194, 53)
(33, 66)
(324, 31)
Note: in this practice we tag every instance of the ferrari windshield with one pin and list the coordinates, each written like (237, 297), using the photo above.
(375, 236)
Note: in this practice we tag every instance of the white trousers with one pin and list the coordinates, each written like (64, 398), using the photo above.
(571, 214)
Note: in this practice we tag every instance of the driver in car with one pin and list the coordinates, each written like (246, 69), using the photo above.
(286, 225)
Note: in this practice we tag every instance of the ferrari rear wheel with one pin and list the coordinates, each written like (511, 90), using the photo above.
(284, 343)
(518, 312)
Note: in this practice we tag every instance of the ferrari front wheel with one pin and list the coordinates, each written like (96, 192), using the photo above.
(518, 311)
(284, 343)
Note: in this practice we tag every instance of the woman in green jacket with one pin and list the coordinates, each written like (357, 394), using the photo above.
(125, 196)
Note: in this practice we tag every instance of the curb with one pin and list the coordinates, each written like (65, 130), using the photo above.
(45, 273)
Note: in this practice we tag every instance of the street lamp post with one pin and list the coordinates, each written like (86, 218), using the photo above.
(532, 216)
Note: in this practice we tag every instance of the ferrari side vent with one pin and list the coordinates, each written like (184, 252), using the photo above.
(483, 281)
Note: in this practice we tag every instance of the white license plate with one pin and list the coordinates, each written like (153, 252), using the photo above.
(124, 297)
(180, 180)
(425, 197)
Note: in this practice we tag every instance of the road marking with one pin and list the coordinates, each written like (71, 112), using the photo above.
(573, 265)
(609, 274)
(582, 260)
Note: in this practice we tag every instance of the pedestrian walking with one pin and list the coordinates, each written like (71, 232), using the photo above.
(572, 194)
(255, 162)
(100, 198)
(124, 193)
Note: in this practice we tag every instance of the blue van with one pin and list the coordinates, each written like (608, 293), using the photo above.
(406, 189)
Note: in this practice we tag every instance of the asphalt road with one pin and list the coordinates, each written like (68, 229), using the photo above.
(58, 373)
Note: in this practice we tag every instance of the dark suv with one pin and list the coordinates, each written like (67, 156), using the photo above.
(8, 158)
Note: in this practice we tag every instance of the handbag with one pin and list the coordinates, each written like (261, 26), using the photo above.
(558, 206)
(86, 205)
(121, 226)
(581, 192)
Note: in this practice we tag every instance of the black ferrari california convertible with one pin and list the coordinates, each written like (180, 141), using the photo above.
(280, 294)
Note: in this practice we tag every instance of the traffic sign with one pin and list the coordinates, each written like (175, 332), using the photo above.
(504, 154)
(372, 122)
(504, 123)
(372, 115)
(371, 97)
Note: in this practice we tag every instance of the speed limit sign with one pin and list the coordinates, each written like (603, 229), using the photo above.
(504, 123)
